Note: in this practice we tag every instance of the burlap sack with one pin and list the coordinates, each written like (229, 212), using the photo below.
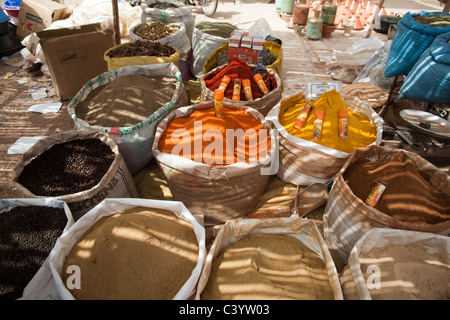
(263, 104)
(116, 183)
(302, 229)
(220, 192)
(346, 217)
(356, 286)
(304, 162)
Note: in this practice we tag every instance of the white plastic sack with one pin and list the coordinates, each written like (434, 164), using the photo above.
(302, 229)
(108, 207)
(182, 13)
(373, 71)
(134, 142)
(203, 46)
(178, 39)
(100, 11)
(41, 286)
(346, 65)
(354, 285)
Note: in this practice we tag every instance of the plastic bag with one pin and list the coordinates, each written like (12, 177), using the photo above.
(347, 65)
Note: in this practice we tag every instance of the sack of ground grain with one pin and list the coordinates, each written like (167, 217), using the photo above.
(140, 53)
(29, 229)
(415, 197)
(79, 167)
(206, 38)
(389, 264)
(263, 102)
(268, 259)
(272, 57)
(173, 34)
(128, 103)
(220, 179)
(415, 33)
(304, 160)
(169, 11)
(420, 83)
(130, 249)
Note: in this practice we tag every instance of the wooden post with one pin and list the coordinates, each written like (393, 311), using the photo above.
(372, 25)
(115, 8)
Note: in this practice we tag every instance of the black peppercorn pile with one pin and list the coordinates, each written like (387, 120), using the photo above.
(27, 235)
(67, 168)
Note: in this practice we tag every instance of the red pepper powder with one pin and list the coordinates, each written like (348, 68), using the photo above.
(239, 69)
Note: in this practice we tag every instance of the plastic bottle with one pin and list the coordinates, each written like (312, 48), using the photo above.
(237, 90)
(318, 124)
(301, 119)
(343, 121)
(218, 102)
(314, 26)
(225, 81)
(262, 86)
(376, 192)
(247, 89)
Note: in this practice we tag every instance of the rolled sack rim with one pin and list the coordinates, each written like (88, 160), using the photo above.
(207, 171)
(273, 114)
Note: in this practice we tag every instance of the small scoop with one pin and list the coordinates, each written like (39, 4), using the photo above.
(311, 198)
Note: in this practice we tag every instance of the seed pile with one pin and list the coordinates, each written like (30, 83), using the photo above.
(155, 30)
(142, 49)
(126, 101)
(67, 168)
(162, 5)
(27, 235)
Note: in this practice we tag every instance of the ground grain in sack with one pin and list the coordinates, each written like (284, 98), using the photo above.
(409, 272)
(27, 235)
(408, 197)
(142, 49)
(67, 168)
(155, 30)
(267, 267)
(126, 101)
(137, 253)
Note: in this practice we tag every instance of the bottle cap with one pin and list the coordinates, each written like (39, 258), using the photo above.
(319, 113)
(257, 77)
(342, 113)
(246, 82)
(218, 94)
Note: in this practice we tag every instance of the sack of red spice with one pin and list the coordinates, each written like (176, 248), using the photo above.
(240, 69)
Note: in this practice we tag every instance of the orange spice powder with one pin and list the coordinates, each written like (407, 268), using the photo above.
(205, 138)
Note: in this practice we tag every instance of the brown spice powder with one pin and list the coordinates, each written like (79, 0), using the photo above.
(411, 272)
(266, 267)
(408, 197)
(138, 253)
(126, 101)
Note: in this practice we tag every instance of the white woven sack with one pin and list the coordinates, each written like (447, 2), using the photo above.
(109, 207)
(302, 229)
(203, 46)
(354, 285)
(178, 39)
(182, 13)
(298, 174)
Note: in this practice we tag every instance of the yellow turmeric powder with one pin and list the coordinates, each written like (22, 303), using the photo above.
(361, 132)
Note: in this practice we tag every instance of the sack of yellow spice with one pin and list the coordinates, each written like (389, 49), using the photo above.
(304, 160)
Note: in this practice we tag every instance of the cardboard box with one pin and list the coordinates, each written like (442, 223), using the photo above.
(75, 55)
(248, 55)
(36, 15)
(235, 38)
